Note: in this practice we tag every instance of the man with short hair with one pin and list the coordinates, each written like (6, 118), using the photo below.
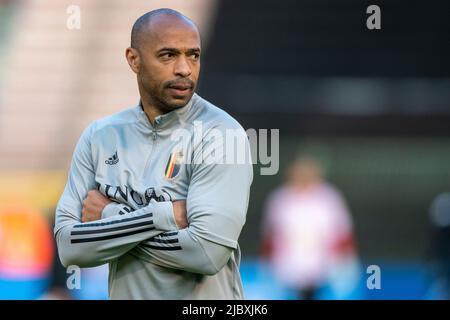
(166, 219)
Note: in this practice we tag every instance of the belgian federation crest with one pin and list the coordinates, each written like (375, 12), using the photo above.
(173, 164)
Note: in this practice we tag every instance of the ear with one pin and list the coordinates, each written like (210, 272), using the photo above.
(133, 58)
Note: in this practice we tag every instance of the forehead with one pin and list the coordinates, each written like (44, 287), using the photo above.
(172, 32)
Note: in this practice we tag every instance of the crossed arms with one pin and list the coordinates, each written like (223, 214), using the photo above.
(216, 205)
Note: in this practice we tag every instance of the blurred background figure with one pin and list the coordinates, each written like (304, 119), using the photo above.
(308, 231)
(440, 245)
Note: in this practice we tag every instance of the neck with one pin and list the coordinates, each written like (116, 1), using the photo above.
(151, 111)
(150, 108)
(307, 185)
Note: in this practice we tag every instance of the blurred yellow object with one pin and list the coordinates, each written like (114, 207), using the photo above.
(40, 189)
(26, 244)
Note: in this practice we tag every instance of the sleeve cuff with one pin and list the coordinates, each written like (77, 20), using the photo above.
(163, 217)
(111, 209)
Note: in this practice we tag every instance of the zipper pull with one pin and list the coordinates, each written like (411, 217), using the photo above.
(157, 120)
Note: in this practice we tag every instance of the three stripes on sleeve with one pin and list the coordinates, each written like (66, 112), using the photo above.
(101, 231)
(165, 241)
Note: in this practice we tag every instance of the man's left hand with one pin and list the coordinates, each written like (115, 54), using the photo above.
(93, 206)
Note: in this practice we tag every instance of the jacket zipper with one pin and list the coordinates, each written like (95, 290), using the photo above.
(153, 149)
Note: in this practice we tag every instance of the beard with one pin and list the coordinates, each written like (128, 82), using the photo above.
(169, 95)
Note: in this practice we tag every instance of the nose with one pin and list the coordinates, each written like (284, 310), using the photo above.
(182, 67)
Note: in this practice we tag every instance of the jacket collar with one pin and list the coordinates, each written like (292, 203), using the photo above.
(167, 121)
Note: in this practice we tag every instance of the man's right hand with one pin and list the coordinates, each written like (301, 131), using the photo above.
(180, 213)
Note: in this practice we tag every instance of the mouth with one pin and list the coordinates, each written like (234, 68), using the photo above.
(180, 90)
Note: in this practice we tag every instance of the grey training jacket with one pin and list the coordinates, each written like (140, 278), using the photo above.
(143, 168)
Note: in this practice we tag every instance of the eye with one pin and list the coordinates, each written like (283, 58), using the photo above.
(195, 56)
(167, 55)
